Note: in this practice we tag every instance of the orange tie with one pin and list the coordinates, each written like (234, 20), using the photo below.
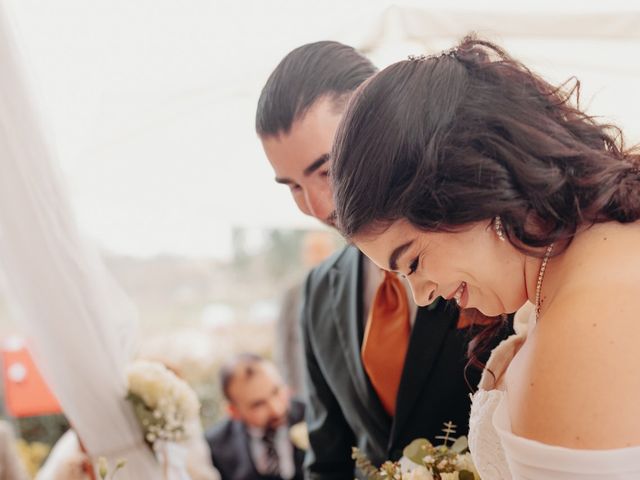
(386, 340)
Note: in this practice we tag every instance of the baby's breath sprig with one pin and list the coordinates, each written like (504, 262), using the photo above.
(103, 468)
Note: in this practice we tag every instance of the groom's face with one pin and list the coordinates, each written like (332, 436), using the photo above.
(300, 158)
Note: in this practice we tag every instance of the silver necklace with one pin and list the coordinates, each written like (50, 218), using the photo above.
(543, 267)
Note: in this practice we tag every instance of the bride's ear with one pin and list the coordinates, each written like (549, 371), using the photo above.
(530, 229)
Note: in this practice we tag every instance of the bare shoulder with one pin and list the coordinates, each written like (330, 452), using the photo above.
(575, 383)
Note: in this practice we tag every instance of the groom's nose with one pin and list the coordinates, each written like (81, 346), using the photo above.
(319, 204)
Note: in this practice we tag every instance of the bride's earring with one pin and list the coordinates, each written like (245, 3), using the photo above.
(497, 226)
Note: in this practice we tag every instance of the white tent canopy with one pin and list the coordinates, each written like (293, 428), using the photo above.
(152, 102)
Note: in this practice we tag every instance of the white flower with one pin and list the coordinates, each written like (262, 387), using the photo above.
(428, 459)
(299, 436)
(465, 462)
(420, 473)
(406, 465)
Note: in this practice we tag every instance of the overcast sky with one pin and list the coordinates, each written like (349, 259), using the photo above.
(151, 102)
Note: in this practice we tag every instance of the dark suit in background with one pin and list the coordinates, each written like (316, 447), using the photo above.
(288, 353)
(230, 449)
(344, 409)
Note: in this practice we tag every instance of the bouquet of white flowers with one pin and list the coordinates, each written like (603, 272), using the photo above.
(164, 404)
(423, 461)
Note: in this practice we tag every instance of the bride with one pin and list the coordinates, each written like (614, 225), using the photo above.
(480, 181)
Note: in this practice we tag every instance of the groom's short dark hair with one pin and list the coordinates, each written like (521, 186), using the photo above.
(241, 364)
(303, 76)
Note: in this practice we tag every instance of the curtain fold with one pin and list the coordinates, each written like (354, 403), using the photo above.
(80, 325)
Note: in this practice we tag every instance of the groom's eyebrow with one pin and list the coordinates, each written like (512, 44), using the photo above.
(316, 164)
(393, 258)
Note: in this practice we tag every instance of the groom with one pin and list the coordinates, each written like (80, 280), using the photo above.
(380, 371)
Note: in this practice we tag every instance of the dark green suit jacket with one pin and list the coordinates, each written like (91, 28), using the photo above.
(343, 409)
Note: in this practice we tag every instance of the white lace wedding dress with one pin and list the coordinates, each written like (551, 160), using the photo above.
(500, 455)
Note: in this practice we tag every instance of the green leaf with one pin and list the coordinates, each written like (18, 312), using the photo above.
(417, 450)
(465, 475)
(460, 445)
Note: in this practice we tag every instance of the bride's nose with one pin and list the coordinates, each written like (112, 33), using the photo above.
(424, 293)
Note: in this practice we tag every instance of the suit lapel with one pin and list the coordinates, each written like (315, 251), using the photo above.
(243, 449)
(427, 336)
(346, 290)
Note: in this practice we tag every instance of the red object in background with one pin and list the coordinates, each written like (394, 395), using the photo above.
(26, 394)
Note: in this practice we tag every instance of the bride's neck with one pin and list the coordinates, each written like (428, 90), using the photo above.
(553, 273)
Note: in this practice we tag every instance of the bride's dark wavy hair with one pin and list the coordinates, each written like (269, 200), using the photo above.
(463, 137)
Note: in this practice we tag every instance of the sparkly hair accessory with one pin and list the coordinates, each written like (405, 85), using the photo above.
(451, 52)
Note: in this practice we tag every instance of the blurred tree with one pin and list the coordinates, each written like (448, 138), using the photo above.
(46, 428)
(241, 257)
(283, 252)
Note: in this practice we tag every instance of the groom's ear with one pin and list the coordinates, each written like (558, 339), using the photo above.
(232, 411)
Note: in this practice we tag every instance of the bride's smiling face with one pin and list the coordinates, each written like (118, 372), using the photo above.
(472, 265)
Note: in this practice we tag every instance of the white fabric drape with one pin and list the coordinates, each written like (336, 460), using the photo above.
(80, 324)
